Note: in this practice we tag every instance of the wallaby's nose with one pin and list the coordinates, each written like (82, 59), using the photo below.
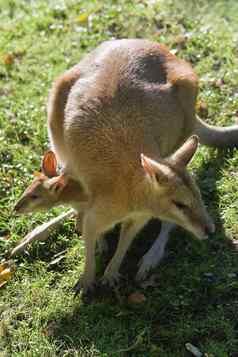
(209, 228)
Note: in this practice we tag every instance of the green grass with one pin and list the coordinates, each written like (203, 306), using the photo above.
(196, 299)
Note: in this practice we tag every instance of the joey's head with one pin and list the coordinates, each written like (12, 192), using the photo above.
(174, 195)
(44, 192)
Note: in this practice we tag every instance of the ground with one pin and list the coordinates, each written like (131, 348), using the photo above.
(194, 297)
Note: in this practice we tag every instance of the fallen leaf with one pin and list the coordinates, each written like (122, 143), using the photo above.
(5, 275)
(6, 271)
(136, 298)
(8, 59)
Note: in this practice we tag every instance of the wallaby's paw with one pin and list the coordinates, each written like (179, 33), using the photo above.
(110, 280)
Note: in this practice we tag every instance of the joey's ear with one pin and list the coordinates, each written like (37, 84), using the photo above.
(156, 170)
(59, 183)
(49, 164)
(186, 152)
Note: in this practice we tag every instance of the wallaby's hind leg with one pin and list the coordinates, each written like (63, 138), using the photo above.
(128, 232)
(102, 245)
(94, 225)
(155, 254)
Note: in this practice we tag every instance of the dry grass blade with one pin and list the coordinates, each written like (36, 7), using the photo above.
(41, 232)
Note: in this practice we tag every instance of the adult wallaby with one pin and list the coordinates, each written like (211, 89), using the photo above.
(119, 123)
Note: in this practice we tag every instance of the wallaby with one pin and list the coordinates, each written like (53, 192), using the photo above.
(119, 123)
(50, 189)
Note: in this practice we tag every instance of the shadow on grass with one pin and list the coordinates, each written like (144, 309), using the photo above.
(195, 282)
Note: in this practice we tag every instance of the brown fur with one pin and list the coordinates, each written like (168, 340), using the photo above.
(125, 98)
(128, 97)
(45, 193)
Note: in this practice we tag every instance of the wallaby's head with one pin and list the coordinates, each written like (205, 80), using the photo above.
(44, 192)
(174, 195)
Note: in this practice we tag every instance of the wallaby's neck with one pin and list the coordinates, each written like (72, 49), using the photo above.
(141, 194)
(72, 193)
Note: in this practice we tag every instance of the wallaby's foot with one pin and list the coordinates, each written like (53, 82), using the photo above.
(148, 262)
(110, 279)
(84, 286)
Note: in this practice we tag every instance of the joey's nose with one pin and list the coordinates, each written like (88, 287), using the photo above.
(15, 209)
(18, 206)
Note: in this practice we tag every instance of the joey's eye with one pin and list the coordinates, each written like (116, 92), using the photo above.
(180, 205)
(34, 196)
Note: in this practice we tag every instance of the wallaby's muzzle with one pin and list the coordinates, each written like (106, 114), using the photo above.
(209, 228)
(20, 206)
(204, 230)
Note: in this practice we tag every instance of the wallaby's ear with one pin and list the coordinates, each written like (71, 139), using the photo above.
(49, 164)
(59, 183)
(185, 153)
(156, 170)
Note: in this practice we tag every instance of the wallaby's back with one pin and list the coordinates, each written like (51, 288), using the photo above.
(126, 97)
(129, 98)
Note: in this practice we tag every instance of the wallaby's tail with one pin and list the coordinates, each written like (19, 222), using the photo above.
(216, 136)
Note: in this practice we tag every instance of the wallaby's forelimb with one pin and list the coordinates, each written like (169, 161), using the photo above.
(128, 231)
(41, 232)
(218, 137)
(90, 233)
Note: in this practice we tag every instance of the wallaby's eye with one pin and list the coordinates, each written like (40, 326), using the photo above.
(34, 196)
(180, 205)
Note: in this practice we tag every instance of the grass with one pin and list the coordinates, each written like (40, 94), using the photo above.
(196, 298)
